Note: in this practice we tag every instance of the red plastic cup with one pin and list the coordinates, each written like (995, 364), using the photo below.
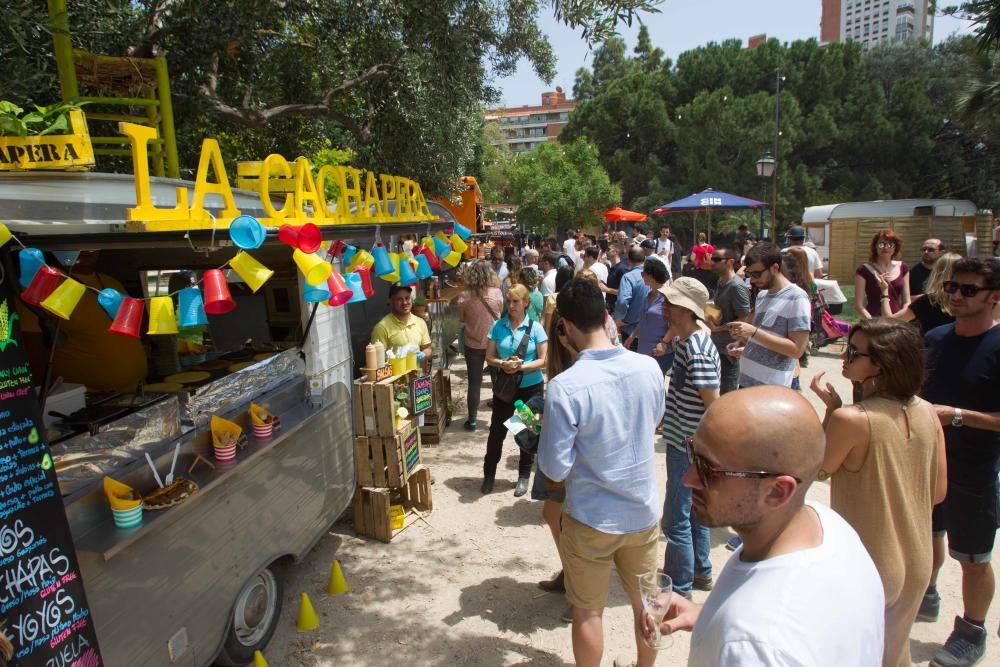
(45, 282)
(340, 293)
(128, 320)
(305, 237)
(366, 281)
(218, 300)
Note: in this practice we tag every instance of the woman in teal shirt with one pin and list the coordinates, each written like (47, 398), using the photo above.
(503, 340)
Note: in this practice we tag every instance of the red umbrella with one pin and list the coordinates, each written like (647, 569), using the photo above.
(622, 215)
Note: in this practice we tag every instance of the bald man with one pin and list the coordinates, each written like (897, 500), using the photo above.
(802, 589)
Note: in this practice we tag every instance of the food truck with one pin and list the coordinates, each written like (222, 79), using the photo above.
(195, 576)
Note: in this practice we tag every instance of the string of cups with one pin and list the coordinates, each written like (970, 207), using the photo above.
(57, 292)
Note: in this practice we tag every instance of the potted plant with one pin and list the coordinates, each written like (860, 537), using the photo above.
(52, 137)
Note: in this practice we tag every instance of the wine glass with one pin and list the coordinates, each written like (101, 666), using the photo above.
(655, 589)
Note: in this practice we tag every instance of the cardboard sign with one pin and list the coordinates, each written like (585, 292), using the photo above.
(42, 601)
(421, 394)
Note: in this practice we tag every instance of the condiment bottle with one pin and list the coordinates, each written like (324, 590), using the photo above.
(379, 353)
(371, 356)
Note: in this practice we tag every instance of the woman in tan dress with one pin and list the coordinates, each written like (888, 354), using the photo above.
(886, 462)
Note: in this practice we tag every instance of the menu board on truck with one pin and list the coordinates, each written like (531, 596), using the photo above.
(42, 601)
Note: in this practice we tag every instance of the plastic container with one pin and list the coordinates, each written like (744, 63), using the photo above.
(398, 365)
(128, 519)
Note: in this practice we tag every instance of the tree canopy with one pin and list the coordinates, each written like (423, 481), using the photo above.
(854, 126)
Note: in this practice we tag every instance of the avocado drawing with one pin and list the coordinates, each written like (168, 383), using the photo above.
(33, 436)
(46, 461)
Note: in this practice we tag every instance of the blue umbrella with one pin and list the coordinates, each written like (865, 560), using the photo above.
(709, 200)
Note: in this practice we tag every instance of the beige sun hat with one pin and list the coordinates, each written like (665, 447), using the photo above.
(687, 293)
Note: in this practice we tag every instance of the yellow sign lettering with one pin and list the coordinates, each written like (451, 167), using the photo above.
(275, 164)
(212, 157)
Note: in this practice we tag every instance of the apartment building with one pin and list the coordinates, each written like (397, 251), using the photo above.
(874, 22)
(528, 127)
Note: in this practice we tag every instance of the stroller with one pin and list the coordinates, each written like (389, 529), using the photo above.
(825, 329)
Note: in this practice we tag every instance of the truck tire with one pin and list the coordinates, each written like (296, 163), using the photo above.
(254, 618)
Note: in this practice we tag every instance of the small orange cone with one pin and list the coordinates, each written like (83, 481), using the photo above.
(307, 616)
(337, 585)
(258, 659)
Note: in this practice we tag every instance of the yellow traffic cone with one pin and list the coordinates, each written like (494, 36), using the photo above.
(337, 585)
(307, 616)
(258, 659)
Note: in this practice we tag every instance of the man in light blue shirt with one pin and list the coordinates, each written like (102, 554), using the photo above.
(605, 456)
(632, 294)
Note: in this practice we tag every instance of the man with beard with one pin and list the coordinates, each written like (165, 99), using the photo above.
(768, 348)
(753, 459)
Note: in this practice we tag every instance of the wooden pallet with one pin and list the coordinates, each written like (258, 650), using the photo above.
(388, 462)
(371, 506)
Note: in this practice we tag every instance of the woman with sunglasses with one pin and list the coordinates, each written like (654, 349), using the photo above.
(883, 265)
(885, 459)
(930, 309)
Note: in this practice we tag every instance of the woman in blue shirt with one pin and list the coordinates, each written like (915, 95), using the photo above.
(504, 338)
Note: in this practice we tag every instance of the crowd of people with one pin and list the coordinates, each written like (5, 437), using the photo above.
(911, 462)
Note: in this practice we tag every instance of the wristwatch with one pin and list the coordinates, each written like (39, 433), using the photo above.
(957, 420)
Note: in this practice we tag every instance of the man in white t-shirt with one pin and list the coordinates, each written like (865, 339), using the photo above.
(796, 237)
(664, 246)
(548, 266)
(569, 245)
(802, 590)
(590, 262)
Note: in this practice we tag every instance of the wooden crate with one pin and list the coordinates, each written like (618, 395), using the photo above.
(442, 393)
(374, 408)
(371, 506)
(433, 429)
(388, 462)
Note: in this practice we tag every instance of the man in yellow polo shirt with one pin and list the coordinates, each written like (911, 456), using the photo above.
(401, 327)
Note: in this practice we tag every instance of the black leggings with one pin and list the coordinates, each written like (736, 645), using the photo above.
(474, 361)
(502, 411)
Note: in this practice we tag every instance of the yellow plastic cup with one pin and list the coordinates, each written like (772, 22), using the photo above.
(453, 258)
(253, 273)
(64, 298)
(411, 361)
(394, 276)
(314, 269)
(398, 365)
(4, 234)
(161, 316)
(458, 244)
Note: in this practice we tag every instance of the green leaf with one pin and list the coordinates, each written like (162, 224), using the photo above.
(12, 127)
(59, 126)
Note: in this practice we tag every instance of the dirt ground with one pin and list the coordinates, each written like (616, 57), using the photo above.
(460, 587)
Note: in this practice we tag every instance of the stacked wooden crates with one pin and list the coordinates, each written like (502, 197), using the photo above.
(387, 461)
(438, 417)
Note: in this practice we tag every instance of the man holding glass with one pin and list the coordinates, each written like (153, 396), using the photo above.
(802, 590)
(606, 457)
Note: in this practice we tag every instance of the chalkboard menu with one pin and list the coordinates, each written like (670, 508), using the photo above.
(421, 394)
(42, 600)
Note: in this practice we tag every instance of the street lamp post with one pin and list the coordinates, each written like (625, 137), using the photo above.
(778, 78)
(765, 169)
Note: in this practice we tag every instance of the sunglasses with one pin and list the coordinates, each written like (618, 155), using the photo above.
(754, 275)
(950, 286)
(885, 244)
(716, 258)
(706, 471)
(852, 353)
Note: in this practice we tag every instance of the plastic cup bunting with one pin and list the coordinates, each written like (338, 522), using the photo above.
(406, 274)
(366, 282)
(353, 282)
(453, 258)
(441, 247)
(392, 276)
(192, 308)
(315, 293)
(128, 319)
(253, 273)
(312, 267)
(458, 244)
(247, 232)
(432, 259)
(110, 300)
(306, 238)
(42, 285)
(383, 263)
(5, 234)
(30, 260)
(64, 298)
(463, 232)
(217, 297)
(424, 269)
(340, 293)
(349, 253)
(162, 319)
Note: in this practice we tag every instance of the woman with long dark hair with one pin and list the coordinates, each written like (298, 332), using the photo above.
(886, 461)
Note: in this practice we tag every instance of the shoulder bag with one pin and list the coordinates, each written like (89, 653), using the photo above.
(506, 385)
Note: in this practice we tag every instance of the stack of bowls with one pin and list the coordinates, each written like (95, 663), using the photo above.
(129, 518)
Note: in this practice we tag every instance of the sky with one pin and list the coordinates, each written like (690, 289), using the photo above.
(683, 25)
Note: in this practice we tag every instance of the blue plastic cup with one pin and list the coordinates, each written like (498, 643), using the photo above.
(383, 265)
(406, 273)
(463, 232)
(247, 232)
(441, 248)
(110, 300)
(316, 293)
(30, 260)
(423, 267)
(191, 308)
(349, 253)
(354, 284)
